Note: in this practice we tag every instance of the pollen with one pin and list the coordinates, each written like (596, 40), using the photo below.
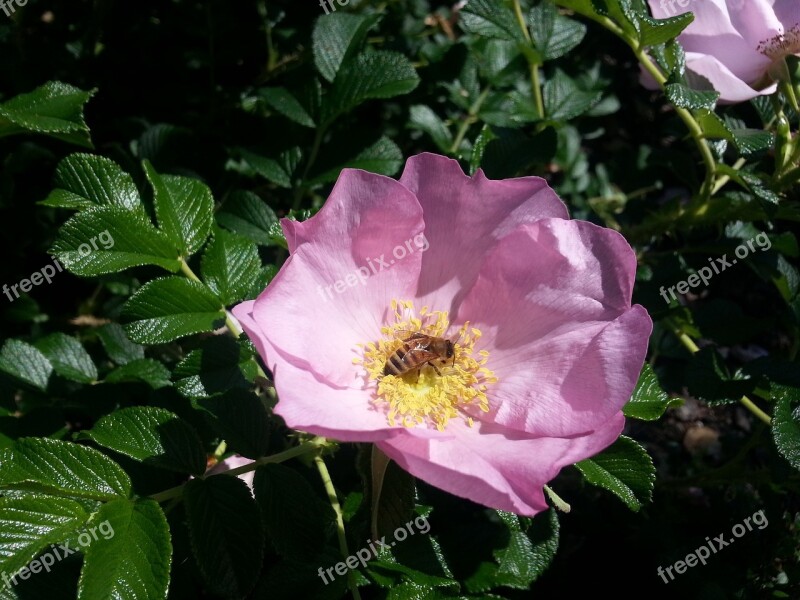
(423, 396)
(781, 45)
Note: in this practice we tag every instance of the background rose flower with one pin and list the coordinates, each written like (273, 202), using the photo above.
(737, 45)
(550, 296)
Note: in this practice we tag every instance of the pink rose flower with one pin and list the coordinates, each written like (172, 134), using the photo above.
(737, 45)
(547, 347)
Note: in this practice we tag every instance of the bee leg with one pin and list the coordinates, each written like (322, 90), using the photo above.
(418, 372)
(435, 368)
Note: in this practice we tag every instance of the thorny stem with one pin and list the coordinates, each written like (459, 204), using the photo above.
(331, 491)
(692, 347)
(310, 446)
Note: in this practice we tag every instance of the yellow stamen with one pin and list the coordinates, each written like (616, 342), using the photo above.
(427, 398)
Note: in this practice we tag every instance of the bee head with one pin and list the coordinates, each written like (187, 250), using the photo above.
(450, 349)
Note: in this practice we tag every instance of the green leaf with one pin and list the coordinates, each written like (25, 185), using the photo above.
(117, 345)
(392, 494)
(528, 553)
(337, 37)
(712, 125)
(372, 74)
(281, 100)
(109, 239)
(54, 109)
(230, 266)
(29, 524)
(25, 363)
(226, 533)
(553, 34)
(653, 32)
(169, 308)
(184, 209)
(786, 423)
(86, 180)
(423, 118)
(279, 172)
(248, 215)
(241, 419)
(219, 365)
(63, 469)
(145, 370)
(708, 378)
(624, 469)
(490, 19)
(133, 563)
(68, 357)
(564, 99)
(683, 96)
(750, 141)
(291, 579)
(151, 435)
(620, 12)
(648, 401)
(383, 157)
(479, 148)
(296, 519)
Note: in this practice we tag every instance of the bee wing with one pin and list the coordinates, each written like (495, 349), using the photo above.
(411, 336)
(422, 356)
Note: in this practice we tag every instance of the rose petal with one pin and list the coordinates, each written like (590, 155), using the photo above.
(464, 216)
(493, 466)
(730, 87)
(553, 304)
(335, 292)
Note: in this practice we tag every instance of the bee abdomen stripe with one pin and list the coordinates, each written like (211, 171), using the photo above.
(397, 362)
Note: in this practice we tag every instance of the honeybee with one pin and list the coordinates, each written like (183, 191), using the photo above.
(417, 351)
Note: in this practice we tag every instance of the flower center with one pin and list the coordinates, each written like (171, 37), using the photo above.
(418, 380)
(781, 45)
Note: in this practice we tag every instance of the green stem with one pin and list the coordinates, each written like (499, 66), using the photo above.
(783, 145)
(788, 180)
(187, 270)
(230, 320)
(689, 344)
(340, 533)
(312, 157)
(471, 118)
(536, 87)
(686, 116)
(272, 59)
(724, 179)
(310, 446)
